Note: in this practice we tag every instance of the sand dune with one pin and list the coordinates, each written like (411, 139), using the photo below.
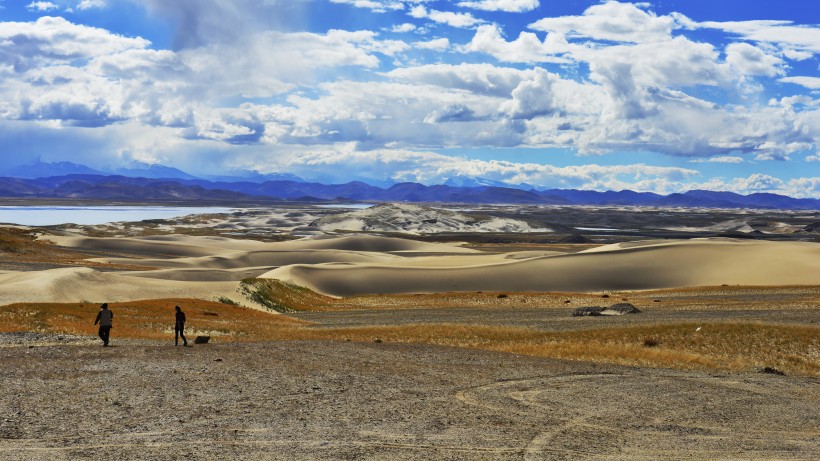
(77, 284)
(418, 219)
(208, 267)
(650, 265)
(177, 245)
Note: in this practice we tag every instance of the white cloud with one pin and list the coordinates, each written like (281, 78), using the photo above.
(512, 6)
(401, 28)
(759, 182)
(614, 21)
(751, 60)
(527, 48)
(476, 78)
(337, 94)
(439, 44)
(813, 158)
(379, 6)
(812, 83)
(797, 55)
(459, 20)
(333, 163)
(719, 159)
(534, 97)
(783, 33)
(53, 39)
(42, 6)
(90, 4)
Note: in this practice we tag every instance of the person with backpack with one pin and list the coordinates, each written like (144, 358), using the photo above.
(105, 318)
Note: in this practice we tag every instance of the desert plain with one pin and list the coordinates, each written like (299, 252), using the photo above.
(411, 332)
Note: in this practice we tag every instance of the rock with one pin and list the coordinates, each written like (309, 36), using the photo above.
(202, 339)
(771, 371)
(623, 308)
(588, 311)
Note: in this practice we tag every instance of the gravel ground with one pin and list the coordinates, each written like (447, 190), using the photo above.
(71, 399)
(551, 319)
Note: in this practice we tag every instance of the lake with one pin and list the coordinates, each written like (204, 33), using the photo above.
(90, 215)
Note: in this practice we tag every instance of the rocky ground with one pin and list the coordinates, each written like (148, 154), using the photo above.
(70, 398)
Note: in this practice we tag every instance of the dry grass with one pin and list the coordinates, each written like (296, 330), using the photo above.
(290, 297)
(716, 346)
(152, 319)
(794, 349)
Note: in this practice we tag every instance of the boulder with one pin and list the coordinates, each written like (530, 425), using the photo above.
(623, 308)
(588, 311)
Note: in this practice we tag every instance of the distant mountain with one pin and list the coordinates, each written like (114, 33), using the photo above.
(254, 176)
(145, 170)
(120, 188)
(41, 169)
(129, 188)
(466, 181)
(590, 197)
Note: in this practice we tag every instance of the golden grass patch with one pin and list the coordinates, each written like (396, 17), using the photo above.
(151, 319)
(716, 346)
(741, 346)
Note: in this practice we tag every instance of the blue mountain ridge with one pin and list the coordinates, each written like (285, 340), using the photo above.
(118, 187)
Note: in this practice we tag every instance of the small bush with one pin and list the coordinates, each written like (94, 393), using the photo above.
(229, 301)
(650, 342)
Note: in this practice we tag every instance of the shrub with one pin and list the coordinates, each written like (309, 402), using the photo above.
(650, 342)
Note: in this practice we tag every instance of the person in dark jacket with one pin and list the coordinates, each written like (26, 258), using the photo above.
(179, 328)
(105, 318)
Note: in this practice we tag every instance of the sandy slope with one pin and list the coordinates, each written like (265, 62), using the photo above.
(647, 265)
(205, 267)
(77, 283)
(209, 267)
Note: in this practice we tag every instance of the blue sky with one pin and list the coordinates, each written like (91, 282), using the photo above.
(660, 96)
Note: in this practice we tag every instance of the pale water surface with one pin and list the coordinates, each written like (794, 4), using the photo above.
(89, 215)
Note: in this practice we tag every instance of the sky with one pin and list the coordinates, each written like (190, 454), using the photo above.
(661, 96)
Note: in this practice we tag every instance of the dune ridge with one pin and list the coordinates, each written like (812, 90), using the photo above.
(650, 265)
(212, 268)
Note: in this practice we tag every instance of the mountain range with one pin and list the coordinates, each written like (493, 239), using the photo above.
(158, 183)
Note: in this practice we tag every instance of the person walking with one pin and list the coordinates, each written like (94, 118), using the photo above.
(105, 318)
(179, 328)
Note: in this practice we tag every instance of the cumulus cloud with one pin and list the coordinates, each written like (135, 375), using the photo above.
(405, 27)
(783, 33)
(803, 187)
(42, 6)
(527, 48)
(812, 83)
(476, 78)
(52, 39)
(439, 44)
(751, 60)
(613, 21)
(459, 20)
(90, 4)
(245, 85)
(511, 6)
(330, 163)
